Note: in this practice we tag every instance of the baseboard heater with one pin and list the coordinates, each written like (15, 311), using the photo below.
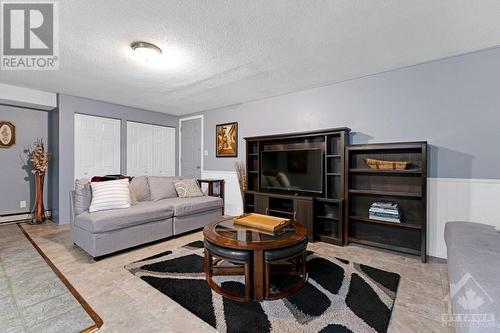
(21, 217)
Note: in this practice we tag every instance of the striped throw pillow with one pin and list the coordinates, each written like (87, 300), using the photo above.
(113, 194)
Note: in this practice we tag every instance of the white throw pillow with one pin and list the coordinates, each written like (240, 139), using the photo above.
(111, 194)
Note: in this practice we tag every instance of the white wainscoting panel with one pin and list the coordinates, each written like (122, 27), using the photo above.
(233, 202)
(452, 199)
(448, 199)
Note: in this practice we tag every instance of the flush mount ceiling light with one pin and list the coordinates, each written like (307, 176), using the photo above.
(146, 51)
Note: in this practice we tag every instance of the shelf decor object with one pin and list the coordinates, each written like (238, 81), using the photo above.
(7, 134)
(40, 161)
(226, 136)
(321, 211)
(385, 165)
(368, 191)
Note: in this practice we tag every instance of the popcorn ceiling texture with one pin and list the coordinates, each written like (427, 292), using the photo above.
(237, 51)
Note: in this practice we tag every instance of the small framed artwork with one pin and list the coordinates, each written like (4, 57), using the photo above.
(226, 137)
(7, 134)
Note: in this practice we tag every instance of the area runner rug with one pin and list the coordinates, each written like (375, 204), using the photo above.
(340, 296)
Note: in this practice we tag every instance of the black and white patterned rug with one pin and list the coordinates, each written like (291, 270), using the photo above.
(340, 296)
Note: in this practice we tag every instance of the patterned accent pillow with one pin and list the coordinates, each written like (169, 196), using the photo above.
(113, 194)
(188, 188)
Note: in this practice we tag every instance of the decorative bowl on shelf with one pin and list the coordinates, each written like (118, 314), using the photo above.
(385, 165)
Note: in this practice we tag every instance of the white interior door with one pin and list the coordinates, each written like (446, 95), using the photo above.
(97, 146)
(163, 151)
(150, 150)
(139, 149)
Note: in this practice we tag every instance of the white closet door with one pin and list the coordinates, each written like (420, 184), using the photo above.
(163, 151)
(97, 146)
(139, 149)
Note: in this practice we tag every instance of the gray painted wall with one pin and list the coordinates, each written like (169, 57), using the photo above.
(16, 179)
(53, 173)
(454, 104)
(68, 106)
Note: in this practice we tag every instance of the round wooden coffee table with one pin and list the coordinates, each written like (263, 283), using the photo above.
(226, 235)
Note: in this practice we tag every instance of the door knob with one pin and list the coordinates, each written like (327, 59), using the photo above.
(198, 167)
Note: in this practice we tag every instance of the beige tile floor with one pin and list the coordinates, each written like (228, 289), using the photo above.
(127, 304)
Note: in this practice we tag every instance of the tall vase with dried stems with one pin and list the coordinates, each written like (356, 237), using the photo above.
(40, 160)
(39, 209)
(242, 178)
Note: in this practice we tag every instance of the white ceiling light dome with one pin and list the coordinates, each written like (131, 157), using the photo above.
(146, 52)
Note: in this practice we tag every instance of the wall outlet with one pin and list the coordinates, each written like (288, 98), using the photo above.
(205, 153)
(22, 204)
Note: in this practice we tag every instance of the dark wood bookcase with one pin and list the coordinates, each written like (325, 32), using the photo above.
(407, 188)
(321, 213)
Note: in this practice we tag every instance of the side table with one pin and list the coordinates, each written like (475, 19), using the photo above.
(211, 192)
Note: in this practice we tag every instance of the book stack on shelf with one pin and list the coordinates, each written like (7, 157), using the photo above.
(385, 211)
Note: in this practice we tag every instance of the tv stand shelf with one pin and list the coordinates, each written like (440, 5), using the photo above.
(322, 213)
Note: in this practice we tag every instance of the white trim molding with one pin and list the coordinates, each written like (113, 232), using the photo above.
(233, 204)
(201, 139)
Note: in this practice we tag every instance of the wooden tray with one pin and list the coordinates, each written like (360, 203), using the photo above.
(263, 222)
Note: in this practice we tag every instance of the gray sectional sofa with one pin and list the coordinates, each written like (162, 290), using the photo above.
(157, 213)
(474, 270)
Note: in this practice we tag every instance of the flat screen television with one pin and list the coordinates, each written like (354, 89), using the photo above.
(299, 170)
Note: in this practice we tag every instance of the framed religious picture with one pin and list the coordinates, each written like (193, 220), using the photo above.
(226, 137)
(7, 134)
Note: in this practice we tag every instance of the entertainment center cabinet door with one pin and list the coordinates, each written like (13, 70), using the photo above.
(261, 204)
(303, 213)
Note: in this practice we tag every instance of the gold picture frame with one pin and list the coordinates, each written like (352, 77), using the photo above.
(226, 140)
(7, 134)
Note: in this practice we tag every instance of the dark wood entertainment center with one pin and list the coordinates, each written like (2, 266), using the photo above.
(321, 213)
(339, 214)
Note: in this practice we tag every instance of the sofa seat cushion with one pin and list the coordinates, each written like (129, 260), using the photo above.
(115, 219)
(474, 252)
(194, 205)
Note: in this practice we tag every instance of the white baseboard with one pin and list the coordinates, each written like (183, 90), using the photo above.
(21, 217)
(448, 199)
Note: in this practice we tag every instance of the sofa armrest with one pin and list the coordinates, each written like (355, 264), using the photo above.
(72, 208)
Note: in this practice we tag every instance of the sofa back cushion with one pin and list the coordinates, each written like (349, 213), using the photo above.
(113, 194)
(83, 196)
(188, 188)
(139, 188)
(162, 187)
